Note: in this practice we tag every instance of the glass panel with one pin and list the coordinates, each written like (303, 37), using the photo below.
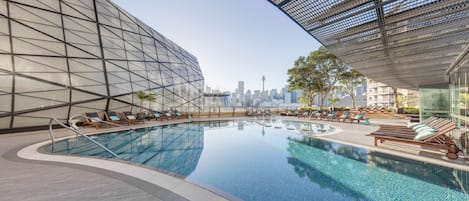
(59, 113)
(20, 121)
(5, 62)
(119, 106)
(5, 122)
(81, 96)
(60, 95)
(40, 64)
(52, 5)
(95, 105)
(5, 101)
(29, 85)
(25, 102)
(59, 78)
(434, 101)
(84, 6)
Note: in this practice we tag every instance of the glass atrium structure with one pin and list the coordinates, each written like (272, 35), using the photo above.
(64, 57)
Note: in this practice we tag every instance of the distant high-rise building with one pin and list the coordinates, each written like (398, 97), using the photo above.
(241, 87)
(208, 89)
(287, 97)
(273, 94)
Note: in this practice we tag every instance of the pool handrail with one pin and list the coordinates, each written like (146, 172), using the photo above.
(77, 132)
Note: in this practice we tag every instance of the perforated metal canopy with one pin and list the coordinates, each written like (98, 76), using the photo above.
(403, 43)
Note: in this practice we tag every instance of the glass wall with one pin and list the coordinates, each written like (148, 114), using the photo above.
(63, 57)
(460, 106)
(434, 101)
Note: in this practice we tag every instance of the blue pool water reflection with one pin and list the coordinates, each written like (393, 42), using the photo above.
(261, 161)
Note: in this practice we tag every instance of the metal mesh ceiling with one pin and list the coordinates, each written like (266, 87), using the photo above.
(403, 43)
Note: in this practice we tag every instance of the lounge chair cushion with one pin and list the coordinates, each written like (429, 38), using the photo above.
(423, 128)
(418, 126)
(412, 125)
(425, 134)
(114, 118)
(95, 119)
(358, 117)
(131, 117)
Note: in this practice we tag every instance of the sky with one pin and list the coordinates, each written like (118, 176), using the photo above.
(232, 40)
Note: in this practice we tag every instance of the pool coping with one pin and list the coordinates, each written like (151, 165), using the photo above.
(167, 180)
(176, 183)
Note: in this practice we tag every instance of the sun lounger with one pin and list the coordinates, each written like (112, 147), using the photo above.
(330, 115)
(141, 117)
(176, 114)
(134, 119)
(155, 115)
(305, 114)
(258, 113)
(358, 117)
(437, 138)
(168, 115)
(250, 113)
(345, 115)
(434, 123)
(116, 118)
(337, 115)
(297, 113)
(94, 119)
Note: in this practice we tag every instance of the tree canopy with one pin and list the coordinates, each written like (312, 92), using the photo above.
(349, 81)
(316, 74)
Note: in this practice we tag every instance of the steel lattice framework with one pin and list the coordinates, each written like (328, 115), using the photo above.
(63, 57)
(403, 43)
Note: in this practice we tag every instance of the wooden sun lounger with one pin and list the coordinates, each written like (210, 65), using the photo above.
(134, 119)
(119, 119)
(89, 116)
(345, 115)
(426, 122)
(440, 140)
(358, 117)
(337, 115)
(436, 124)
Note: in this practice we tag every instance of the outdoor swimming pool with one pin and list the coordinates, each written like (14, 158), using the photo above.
(261, 161)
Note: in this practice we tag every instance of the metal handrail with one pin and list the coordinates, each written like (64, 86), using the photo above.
(77, 132)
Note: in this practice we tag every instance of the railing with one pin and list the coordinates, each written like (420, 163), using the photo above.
(210, 112)
(77, 132)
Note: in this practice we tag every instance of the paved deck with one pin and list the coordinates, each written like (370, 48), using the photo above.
(22, 179)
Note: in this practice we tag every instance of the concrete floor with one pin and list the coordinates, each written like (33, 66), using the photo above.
(22, 179)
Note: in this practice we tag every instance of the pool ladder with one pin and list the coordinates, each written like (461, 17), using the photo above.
(74, 129)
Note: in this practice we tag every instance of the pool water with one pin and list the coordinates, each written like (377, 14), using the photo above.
(255, 161)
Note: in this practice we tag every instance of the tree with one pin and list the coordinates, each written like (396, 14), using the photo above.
(144, 96)
(396, 97)
(350, 80)
(333, 101)
(316, 74)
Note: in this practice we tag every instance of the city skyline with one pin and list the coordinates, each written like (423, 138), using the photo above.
(243, 46)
